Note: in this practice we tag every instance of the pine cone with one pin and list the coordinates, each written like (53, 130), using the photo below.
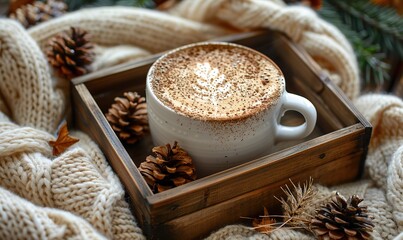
(70, 53)
(341, 219)
(128, 117)
(170, 167)
(31, 14)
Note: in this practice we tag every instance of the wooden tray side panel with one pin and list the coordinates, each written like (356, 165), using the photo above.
(105, 90)
(86, 118)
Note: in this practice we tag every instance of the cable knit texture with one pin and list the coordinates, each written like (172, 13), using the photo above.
(77, 196)
(79, 181)
(20, 219)
(26, 81)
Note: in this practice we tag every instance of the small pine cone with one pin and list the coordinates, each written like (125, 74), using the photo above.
(168, 168)
(341, 219)
(31, 14)
(128, 117)
(70, 53)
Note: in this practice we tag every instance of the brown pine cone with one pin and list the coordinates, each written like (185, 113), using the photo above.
(128, 117)
(341, 219)
(31, 14)
(70, 53)
(168, 168)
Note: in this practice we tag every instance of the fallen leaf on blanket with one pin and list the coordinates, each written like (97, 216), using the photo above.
(63, 141)
(264, 224)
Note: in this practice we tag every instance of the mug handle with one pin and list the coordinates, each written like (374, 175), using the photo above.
(303, 106)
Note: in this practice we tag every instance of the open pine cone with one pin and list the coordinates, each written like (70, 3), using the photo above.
(168, 168)
(341, 219)
(70, 53)
(128, 117)
(31, 14)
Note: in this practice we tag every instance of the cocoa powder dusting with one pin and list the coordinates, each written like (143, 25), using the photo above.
(217, 81)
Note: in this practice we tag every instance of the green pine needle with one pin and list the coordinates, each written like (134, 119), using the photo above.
(370, 44)
(384, 24)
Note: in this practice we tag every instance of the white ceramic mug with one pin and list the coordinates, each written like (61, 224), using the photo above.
(184, 85)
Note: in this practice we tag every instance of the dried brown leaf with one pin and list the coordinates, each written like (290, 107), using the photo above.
(264, 224)
(63, 141)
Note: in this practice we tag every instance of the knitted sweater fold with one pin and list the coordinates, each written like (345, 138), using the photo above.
(147, 29)
(79, 181)
(26, 83)
(20, 219)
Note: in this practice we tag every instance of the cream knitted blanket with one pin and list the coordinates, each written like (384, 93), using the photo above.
(77, 196)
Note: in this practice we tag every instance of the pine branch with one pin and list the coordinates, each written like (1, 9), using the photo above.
(383, 24)
(373, 61)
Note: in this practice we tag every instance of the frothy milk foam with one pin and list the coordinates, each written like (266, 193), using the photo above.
(217, 81)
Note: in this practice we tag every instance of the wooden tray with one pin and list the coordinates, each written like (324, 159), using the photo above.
(334, 153)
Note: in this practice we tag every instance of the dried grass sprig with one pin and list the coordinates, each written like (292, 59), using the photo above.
(294, 208)
(298, 200)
